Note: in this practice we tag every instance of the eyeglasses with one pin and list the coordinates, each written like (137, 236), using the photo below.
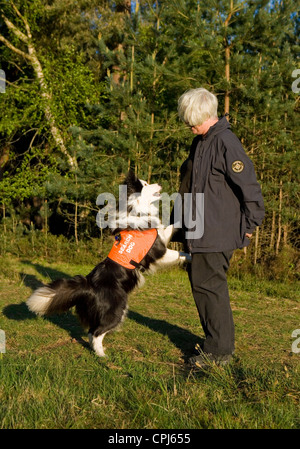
(189, 126)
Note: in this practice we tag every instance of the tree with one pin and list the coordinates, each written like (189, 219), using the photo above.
(113, 72)
(32, 58)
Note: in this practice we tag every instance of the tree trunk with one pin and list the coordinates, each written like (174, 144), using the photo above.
(272, 239)
(227, 48)
(46, 225)
(279, 220)
(227, 61)
(76, 222)
(31, 56)
(125, 9)
(227, 76)
(151, 150)
(4, 158)
(132, 68)
(285, 234)
(256, 245)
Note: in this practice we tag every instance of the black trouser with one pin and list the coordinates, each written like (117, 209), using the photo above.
(210, 291)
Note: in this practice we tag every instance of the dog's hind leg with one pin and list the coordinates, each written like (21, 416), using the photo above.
(97, 344)
(113, 320)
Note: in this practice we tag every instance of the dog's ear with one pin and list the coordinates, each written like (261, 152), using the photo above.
(133, 183)
(130, 177)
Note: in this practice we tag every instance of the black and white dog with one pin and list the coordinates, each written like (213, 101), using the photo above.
(101, 297)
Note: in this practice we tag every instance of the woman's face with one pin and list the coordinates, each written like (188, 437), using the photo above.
(202, 129)
(199, 129)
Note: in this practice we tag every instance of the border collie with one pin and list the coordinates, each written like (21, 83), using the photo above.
(101, 297)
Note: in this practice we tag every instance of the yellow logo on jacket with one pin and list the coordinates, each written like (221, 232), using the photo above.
(238, 166)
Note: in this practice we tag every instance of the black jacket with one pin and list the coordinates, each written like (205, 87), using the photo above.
(219, 168)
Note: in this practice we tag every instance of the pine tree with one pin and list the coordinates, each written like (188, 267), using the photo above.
(114, 72)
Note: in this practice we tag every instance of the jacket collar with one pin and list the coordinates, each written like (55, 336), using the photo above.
(221, 125)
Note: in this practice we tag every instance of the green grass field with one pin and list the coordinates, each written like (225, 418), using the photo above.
(51, 379)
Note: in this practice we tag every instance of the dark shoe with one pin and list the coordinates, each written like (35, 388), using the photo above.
(206, 360)
(198, 349)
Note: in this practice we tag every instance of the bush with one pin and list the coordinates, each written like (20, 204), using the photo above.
(38, 244)
(20, 241)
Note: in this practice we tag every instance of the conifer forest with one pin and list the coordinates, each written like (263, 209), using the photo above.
(89, 88)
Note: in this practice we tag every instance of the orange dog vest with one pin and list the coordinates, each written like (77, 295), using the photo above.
(131, 247)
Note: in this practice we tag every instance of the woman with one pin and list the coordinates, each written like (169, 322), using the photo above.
(219, 168)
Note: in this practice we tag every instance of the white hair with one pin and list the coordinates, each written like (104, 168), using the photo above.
(196, 106)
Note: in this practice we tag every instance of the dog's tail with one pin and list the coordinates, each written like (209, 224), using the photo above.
(59, 296)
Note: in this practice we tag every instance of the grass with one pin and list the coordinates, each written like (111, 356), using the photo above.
(51, 379)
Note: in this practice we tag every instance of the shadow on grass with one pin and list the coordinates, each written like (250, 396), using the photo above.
(182, 338)
(66, 321)
(51, 273)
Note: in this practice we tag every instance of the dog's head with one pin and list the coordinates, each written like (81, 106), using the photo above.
(142, 212)
(140, 194)
(136, 208)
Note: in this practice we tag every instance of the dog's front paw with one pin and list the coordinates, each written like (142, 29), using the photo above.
(185, 257)
(166, 234)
